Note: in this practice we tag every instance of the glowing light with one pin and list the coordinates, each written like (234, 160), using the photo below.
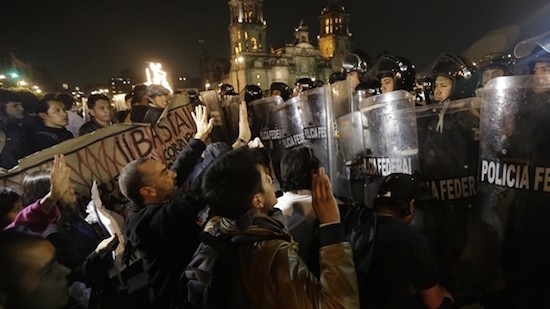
(2, 76)
(156, 75)
(240, 59)
(22, 83)
(14, 75)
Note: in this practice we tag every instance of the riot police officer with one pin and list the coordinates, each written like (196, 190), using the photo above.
(303, 84)
(493, 65)
(227, 89)
(251, 93)
(280, 89)
(395, 73)
(455, 77)
(354, 67)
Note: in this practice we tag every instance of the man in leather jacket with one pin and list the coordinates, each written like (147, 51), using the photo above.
(268, 272)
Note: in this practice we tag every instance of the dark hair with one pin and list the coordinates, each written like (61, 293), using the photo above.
(233, 179)
(29, 101)
(67, 100)
(43, 104)
(92, 99)
(296, 168)
(139, 92)
(5, 97)
(8, 198)
(130, 181)
(35, 186)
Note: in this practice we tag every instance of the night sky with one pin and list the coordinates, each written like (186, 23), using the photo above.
(89, 41)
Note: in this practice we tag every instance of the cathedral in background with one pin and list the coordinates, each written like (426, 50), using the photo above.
(252, 63)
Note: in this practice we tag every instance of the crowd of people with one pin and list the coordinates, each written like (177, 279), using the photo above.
(212, 230)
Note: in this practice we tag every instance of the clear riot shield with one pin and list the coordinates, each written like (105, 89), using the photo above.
(340, 103)
(230, 108)
(341, 96)
(514, 180)
(280, 126)
(315, 123)
(448, 152)
(387, 134)
(211, 99)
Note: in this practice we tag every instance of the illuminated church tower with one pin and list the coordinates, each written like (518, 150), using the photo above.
(334, 36)
(247, 27)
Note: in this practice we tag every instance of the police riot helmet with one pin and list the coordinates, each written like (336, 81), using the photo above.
(336, 76)
(496, 60)
(303, 84)
(227, 89)
(399, 68)
(252, 92)
(194, 97)
(353, 62)
(537, 49)
(461, 70)
(539, 54)
(282, 88)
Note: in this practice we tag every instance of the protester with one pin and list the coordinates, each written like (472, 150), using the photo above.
(139, 103)
(13, 139)
(38, 214)
(11, 204)
(54, 119)
(75, 120)
(158, 96)
(101, 113)
(264, 269)
(297, 167)
(31, 276)
(162, 226)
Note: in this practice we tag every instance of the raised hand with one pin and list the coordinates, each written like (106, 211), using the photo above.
(244, 127)
(323, 201)
(204, 126)
(59, 178)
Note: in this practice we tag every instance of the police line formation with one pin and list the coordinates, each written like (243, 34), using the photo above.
(476, 134)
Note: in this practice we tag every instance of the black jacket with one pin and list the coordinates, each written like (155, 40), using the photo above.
(167, 235)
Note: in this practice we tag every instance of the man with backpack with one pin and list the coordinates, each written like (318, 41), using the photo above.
(247, 259)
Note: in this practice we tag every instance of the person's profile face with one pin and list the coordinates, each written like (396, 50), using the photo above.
(268, 195)
(161, 179)
(15, 110)
(442, 88)
(489, 74)
(160, 100)
(43, 281)
(387, 84)
(541, 72)
(56, 116)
